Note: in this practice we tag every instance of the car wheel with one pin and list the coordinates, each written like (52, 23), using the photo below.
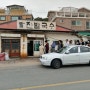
(56, 63)
(89, 63)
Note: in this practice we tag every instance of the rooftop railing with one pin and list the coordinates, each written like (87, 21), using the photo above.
(71, 15)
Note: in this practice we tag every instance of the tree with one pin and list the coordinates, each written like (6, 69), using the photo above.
(41, 19)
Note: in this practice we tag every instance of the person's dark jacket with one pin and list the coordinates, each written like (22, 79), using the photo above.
(47, 47)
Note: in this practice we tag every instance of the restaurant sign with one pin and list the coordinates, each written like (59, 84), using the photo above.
(36, 25)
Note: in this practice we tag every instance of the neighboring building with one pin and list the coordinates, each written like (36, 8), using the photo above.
(71, 18)
(14, 12)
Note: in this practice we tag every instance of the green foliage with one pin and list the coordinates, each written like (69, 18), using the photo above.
(41, 19)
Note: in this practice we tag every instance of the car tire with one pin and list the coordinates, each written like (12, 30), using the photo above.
(89, 63)
(56, 64)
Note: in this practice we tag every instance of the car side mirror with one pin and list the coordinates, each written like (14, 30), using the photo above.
(67, 52)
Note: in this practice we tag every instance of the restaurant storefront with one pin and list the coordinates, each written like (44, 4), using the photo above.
(18, 45)
(24, 38)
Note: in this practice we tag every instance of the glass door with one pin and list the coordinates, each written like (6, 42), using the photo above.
(36, 47)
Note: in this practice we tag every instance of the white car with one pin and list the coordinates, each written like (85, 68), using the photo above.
(74, 54)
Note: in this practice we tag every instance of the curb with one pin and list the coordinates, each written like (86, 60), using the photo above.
(20, 62)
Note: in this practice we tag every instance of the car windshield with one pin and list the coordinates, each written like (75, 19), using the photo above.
(62, 50)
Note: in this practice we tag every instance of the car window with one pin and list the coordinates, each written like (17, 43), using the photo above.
(62, 50)
(84, 49)
(74, 50)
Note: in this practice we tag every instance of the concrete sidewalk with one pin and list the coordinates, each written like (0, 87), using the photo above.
(19, 62)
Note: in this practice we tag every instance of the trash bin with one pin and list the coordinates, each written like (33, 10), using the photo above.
(2, 56)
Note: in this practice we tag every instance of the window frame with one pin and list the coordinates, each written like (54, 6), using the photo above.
(76, 23)
(2, 17)
(88, 26)
(74, 52)
(61, 21)
(14, 18)
(84, 51)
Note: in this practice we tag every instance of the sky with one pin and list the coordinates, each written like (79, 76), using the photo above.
(40, 8)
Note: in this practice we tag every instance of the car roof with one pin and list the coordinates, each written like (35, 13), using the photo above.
(78, 45)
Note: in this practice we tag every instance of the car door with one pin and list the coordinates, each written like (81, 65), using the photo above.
(72, 57)
(84, 54)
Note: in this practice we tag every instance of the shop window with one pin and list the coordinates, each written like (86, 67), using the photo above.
(2, 18)
(11, 46)
(36, 45)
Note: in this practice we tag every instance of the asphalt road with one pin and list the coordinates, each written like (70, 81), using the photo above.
(37, 77)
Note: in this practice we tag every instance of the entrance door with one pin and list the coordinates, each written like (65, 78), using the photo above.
(30, 48)
(36, 46)
(11, 46)
(33, 47)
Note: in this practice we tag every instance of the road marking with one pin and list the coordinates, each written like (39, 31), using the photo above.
(52, 85)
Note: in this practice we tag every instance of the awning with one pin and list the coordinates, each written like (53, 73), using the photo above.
(84, 33)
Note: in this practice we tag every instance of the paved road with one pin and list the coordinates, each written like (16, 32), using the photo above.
(15, 62)
(33, 76)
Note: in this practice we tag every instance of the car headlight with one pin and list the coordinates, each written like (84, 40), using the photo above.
(40, 56)
(45, 58)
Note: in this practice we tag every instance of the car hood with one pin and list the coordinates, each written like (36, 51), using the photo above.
(52, 55)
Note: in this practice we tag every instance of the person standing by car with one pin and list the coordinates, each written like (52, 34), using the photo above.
(67, 42)
(82, 42)
(77, 42)
(60, 44)
(70, 42)
(46, 47)
(53, 46)
(41, 49)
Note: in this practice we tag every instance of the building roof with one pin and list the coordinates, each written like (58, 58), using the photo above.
(83, 9)
(12, 25)
(62, 29)
(14, 5)
(9, 25)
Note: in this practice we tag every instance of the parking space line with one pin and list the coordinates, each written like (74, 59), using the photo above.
(52, 85)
